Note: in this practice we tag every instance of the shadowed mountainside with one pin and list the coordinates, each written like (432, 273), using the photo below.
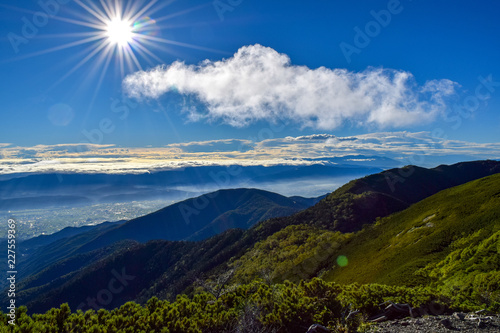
(192, 219)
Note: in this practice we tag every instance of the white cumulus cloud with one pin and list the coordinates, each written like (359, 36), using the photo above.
(258, 83)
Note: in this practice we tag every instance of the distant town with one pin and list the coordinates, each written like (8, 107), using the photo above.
(35, 222)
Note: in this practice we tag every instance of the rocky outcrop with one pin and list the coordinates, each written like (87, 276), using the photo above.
(458, 322)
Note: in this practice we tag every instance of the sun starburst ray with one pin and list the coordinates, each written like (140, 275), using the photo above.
(143, 50)
(108, 11)
(70, 35)
(98, 10)
(192, 46)
(129, 7)
(154, 9)
(121, 64)
(166, 48)
(129, 51)
(94, 25)
(97, 14)
(137, 15)
(58, 48)
(98, 47)
(106, 57)
(180, 13)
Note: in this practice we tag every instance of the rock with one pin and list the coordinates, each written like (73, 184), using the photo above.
(379, 319)
(446, 323)
(317, 328)
(472, 322)
(393, 311)
(459, 315)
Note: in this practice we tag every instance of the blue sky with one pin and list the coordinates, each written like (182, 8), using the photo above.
(453, 43)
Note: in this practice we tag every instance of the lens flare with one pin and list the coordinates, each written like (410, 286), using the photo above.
(342, 261)
(146, 26)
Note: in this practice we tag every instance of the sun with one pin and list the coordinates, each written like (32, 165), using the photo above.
(119, 32)
(122, 33)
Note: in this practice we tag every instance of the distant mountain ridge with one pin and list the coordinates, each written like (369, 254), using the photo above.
(58, 189)
(424, 182)
(41, 240)
(362, 200)
(207, 215)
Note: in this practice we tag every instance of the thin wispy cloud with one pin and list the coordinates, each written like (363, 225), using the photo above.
(258, 83)
(312, 137)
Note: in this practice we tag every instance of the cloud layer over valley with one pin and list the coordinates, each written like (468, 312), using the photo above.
(407, 147)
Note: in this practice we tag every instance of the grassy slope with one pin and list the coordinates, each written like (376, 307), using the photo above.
(294, 253)
(396, 247)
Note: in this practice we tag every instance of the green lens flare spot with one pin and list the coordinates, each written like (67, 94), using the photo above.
(342, 261)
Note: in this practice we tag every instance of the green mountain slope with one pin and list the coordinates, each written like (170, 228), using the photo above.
(294, 253)
(449, 240)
